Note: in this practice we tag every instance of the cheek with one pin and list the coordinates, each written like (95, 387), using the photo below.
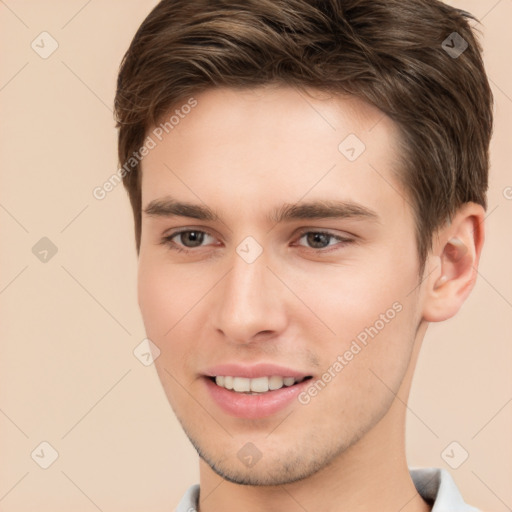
(366, 363)
(165, 294)
(164, 301)
(371, 315)
(347, 300)
(170, 301)
(153, 295)
(163, 298)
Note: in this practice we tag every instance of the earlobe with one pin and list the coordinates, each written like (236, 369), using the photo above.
(458, 247)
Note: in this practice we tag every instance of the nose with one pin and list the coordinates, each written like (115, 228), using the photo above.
(249, 303)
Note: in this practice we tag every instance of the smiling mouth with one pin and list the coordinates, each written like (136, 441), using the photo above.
(256, 386)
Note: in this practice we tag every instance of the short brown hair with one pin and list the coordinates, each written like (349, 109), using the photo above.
(399, 55)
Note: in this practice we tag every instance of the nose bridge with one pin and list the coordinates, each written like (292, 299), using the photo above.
(248, 301)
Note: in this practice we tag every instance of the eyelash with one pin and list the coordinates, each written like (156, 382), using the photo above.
(168, 240)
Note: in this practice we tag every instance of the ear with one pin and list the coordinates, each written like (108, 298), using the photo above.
(454, 259)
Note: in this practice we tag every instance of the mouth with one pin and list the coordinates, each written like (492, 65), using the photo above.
(253, 391)
(256, 386)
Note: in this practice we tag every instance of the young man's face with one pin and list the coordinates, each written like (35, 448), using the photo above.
(209, 298)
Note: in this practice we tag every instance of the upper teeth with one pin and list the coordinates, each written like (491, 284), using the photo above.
(257, 385)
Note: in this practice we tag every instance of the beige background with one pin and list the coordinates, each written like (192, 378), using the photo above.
(69, 326)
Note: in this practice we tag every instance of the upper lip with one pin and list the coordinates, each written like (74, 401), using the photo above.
(253, 371)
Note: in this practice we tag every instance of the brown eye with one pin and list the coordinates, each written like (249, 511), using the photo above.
(191, 238)
(318, 240)
(187, 239)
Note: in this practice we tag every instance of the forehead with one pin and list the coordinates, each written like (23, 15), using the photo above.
(277, 143)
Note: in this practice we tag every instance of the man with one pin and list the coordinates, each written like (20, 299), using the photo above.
(308, 185)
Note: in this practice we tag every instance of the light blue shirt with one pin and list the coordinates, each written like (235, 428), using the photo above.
(434, 485)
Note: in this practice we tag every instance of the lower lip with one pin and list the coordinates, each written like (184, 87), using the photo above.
(254, 406)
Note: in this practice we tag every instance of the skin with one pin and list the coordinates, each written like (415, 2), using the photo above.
(243, 154)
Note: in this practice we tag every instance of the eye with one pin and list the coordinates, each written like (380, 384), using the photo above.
(321, 239)
(188, 239)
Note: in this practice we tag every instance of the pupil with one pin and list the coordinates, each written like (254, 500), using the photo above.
(318, 240)
(192, 238)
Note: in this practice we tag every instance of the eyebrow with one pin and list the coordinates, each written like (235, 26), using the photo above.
(323, 209)
(168, 207)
